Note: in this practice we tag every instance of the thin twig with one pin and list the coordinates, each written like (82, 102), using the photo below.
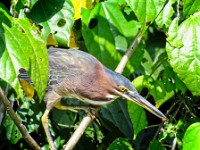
(78, 132)
(30, 141)
(174, 143)
(129, 52)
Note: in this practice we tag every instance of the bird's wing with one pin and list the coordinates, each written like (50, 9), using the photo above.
(65, 63)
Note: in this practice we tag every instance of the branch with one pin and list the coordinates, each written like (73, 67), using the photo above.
(129, 52)
(78, 132)
(30, 141)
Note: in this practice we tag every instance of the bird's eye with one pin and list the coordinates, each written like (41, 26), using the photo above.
(122, 88)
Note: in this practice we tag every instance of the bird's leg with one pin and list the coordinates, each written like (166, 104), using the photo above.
(46, 129)
(51, 99)
(93, 111)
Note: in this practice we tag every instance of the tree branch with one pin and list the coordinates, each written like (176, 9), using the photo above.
(129, 52)
(31, 142)
(78, 132)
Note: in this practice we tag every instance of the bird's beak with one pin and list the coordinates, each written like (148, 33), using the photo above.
(138, 99)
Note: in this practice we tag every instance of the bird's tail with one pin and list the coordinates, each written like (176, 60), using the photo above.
(26, 83)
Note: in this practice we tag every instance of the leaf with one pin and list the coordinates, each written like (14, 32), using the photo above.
(172, 82)
(164, 18)
(146, 10)
(156, 88)
(138, 117)
(192, 137)
(160, 93)
(190, 7)
(185, 59)
(12, 132)
(55, 17)
(78, 4)
(64, 118)
(106, 38)
(142, 81)
(120, 143)
(115, 113)
(155, 144)
(30, 113)
(22, 46)
(144, 138)
(21, 4)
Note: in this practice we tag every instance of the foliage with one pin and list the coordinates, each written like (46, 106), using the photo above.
(165, 69)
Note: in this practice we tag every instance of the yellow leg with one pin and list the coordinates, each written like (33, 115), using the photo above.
(51, 98)
(46, 129)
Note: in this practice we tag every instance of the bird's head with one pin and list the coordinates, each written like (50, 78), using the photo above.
(125, 89)
(134, 96)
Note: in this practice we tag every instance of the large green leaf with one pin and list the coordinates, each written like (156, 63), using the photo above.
(159, 92)
(164, 18)
(55, 17)
(156, 145)
(117, 114)
(22, 46)
(108, 35)
(190, 7)
(138, 117)
(146, 10)
(21, 4)
(192, 137)
(183, 51)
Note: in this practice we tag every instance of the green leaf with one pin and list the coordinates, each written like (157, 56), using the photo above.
(115, 113)
(30, 113)
(192, 137)
(121, 144)
(160, 93)
(138, 117)
(190, 7)
(172, 82)
(155, 144)
(12, 132)
(142, 81)
(22, 46)
(146, 10)
(144, 138)
(107, 38)
(64, 118)
(164, 18)
(21, 4)
(185, 59)
(55, 17)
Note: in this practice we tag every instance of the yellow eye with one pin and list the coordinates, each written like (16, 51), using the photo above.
(122, 88)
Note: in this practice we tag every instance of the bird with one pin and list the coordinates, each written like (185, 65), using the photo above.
(77, 74)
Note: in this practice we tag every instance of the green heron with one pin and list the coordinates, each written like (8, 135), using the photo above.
(76, 74)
